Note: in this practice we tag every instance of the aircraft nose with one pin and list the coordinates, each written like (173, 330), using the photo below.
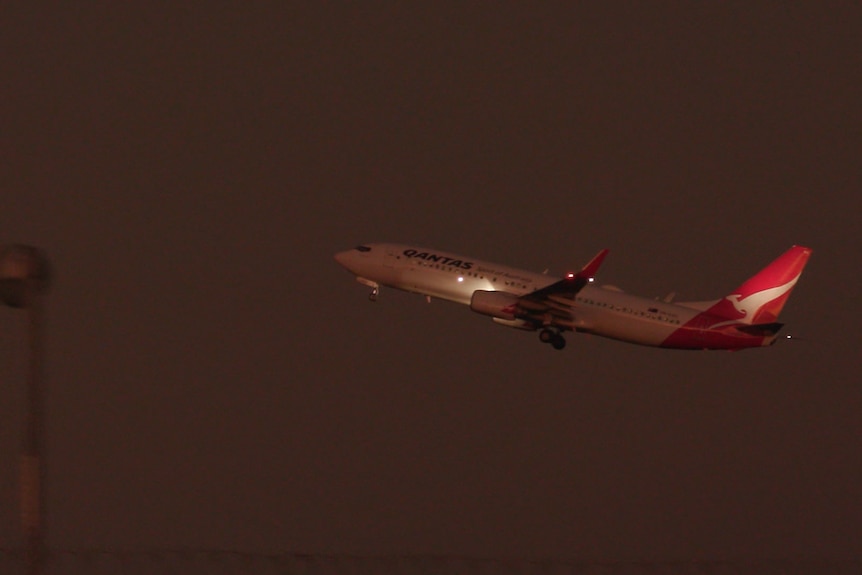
(341, 258)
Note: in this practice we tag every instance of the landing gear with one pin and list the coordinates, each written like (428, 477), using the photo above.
(375, 287)
(553, 337)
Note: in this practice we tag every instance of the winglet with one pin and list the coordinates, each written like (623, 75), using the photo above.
(589, 271)
(572, 283)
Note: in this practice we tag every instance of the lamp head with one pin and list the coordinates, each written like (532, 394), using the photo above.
(24, 273)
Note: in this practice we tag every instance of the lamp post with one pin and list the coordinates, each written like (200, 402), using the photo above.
(24, 278)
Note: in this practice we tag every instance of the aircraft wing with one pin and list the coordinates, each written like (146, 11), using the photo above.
(558, 298)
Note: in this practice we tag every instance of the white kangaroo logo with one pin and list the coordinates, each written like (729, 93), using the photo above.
(748, 306)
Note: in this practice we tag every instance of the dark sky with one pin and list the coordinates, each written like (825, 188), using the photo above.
(217, 381)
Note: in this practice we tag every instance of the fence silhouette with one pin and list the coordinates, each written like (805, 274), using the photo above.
(230, 562)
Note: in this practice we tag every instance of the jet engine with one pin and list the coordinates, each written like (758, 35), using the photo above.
(497, 304)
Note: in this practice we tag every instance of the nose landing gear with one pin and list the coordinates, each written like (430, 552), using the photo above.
(375, 287)
(553, 337)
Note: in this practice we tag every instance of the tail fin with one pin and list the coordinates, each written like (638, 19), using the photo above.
(760, 299)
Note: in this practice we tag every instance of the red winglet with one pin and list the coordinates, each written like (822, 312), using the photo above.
(573, 282)
(589, 271)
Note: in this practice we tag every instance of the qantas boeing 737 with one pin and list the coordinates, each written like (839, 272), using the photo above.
(748, 317)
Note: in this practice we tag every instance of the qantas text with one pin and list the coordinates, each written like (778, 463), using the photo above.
(436, 258)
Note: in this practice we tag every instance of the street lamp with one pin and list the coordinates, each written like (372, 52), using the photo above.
(24, 278)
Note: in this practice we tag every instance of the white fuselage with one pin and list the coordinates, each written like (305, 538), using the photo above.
(600, 310)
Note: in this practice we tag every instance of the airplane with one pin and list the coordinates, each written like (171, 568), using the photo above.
(746, 318)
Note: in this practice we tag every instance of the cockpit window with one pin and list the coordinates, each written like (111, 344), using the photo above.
(363, 248)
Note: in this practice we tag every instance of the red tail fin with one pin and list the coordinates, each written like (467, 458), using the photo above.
(761, 298)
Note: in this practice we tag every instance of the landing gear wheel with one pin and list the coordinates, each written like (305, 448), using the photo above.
(553, 337)
(373, 295)
(559, 342)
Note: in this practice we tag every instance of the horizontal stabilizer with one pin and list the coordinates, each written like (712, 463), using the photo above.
(761, 329)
